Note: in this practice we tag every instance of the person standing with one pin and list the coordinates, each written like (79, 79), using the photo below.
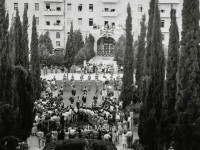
(84, 98)
(81, 81)
(40, 136)
(78, 103)
(74, 91)
(89, 82)
(124, 140)
(56, 69)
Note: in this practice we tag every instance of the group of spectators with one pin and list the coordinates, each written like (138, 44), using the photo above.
(89, 68)
(104, 119)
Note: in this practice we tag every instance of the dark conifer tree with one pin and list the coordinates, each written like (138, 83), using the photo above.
(143, 114)
(78, 41)
(119, 49)
(169, 118)
(155, 93)
(4, 56)
(48, 42)
(69, 52)
(18, 40)
(35, 62)
(126, 94)
(25, 53)
(2, 19)
(187, 129)
(89, 46)
(149, 36)
(140, 56)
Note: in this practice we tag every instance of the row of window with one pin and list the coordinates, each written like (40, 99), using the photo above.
(26, 5)
(80, 7)
(69, 7)
(58, 36)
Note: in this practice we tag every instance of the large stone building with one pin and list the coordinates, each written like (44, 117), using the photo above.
(104, 19)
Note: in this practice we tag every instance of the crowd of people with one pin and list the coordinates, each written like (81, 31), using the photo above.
(103, 119)
(89, 68)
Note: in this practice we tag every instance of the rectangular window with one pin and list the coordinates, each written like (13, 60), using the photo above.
(47, 23)
(163, 37)
(57, 43)
(36, 6)
(58, 8)
(48, 6)
(162, 23)
(37, 20)
(26, 5)
(90, 21)
(80, 7)
(58, 35)
(69, 7)
(113, 25)
(106, 23)
(79, 21)
(15, 6)
(140, 8)
(91, 7)
(69, 20)
(57, 22)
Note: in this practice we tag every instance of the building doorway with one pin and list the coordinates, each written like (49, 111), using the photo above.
(105, 47)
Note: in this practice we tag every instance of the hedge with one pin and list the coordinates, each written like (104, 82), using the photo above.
(79, 144)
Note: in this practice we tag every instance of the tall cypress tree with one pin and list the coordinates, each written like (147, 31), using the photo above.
(35, 62)
(18, 40)
(140, 56)
(4, 56)
(69, 52)
(169, 118)
(155, 93)
(144, 89)
(126, 94)
(188, 96)
(25, 53)
(2, 20)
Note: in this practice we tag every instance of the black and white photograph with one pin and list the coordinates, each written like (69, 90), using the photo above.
(99, 75)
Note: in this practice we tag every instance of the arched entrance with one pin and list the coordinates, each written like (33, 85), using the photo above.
(105, 46)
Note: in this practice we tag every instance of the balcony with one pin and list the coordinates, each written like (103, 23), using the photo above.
(53, 1)
(109, 1)
(169, 1)
(109, 14)
(53, 27)
(52, 13)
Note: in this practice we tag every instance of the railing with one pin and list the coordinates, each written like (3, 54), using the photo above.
(53, 27)
(53, 1)
(52, 13)
(169, 1)
(109, 1)
(109, 14)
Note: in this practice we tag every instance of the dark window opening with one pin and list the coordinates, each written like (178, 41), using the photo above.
(90, 22)
(91, 7)
(80, 7)
(47, 6)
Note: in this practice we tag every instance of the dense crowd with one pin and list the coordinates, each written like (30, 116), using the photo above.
(102, 120)
(89, 68)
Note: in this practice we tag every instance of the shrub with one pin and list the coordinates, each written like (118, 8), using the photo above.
(137, 145)
(79, 144)
(8, 143)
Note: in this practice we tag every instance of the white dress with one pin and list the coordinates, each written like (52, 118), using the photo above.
(124, 139)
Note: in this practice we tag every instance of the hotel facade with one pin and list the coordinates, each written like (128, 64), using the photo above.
(104, 19)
